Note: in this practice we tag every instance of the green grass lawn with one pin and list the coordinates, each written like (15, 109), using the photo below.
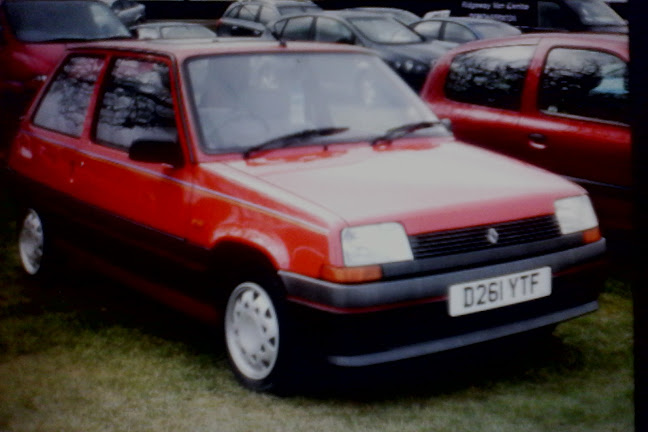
(81, 354)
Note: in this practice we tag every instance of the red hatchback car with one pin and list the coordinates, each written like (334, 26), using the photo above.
(302, 196)
(559, 101)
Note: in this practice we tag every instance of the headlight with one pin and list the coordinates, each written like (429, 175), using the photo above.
(375, 244)
(575, 214)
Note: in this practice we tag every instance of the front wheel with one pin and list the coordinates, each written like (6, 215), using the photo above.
(256, 335)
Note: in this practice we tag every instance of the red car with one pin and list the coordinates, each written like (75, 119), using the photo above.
(559, 101)
(301, 195)
(33, 37)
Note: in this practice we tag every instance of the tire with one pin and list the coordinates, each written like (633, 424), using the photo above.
(257, 335)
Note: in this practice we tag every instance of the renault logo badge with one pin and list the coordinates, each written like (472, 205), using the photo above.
(492, 235)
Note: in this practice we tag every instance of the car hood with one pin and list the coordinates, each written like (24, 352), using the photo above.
(426, 185)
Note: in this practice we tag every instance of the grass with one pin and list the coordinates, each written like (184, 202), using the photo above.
(81, 354)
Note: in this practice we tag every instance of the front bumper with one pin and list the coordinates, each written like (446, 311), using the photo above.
(391, 320)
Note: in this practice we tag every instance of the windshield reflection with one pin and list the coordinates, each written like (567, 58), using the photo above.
(244, 100)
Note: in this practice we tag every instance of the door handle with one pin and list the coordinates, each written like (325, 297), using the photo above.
(538, 141)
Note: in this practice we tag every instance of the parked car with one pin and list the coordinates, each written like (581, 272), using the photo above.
(557, 100)
(128, 11)
(250, 17)
(547, 15)
(33, 37)
(172, 30)
(403, 15)
(457, 30)
(302, 196)
(403, 49)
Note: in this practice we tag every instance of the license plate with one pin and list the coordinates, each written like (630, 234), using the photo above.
(484, 294)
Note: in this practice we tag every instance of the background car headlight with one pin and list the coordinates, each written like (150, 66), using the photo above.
(375, 244)
(575, 214)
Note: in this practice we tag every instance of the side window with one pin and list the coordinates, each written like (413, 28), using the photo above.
(268, 13)
(65, 105)
(585, 83)
(457, 33)
(330, 30)
(248, 12)
(298, 28)
(491, 77)
(429, 29)
(233, 12)
(137, 104)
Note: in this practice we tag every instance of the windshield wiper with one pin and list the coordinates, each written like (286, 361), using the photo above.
(289, 139)
(401, 131)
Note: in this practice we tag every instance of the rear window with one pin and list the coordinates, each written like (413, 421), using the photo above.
(65, 104)
(492, 77)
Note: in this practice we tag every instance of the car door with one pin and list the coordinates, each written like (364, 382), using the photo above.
(482, 96)
(141, 203)
(577, 120)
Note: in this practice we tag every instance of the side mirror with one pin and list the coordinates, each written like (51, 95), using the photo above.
(156, 151)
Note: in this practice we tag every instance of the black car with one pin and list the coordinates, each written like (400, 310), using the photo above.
(457, 30)
(249, 18)
(404, 50)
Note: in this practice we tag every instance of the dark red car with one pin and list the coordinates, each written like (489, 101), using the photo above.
(301, 195)
(33, 38)
(559, 101)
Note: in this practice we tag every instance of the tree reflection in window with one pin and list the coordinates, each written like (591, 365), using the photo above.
(585, 83)
(137, 104)
(491, 77)
(65, 105)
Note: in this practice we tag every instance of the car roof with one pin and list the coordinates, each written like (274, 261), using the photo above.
(183, 48)
(610, 40)
(467, 20)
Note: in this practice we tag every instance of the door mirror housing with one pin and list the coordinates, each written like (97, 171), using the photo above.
(156, 151)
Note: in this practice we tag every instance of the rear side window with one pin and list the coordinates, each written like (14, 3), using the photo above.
(136, 104)
(429, 29)
(492, 77)
(298, 28)
(330, 30)
(458, 33)
(65, 105)
(585, 83)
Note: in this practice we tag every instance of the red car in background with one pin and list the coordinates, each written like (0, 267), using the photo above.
(557, 100)
(33, 38)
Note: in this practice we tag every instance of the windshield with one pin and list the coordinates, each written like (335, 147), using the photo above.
(385, 30)
(595, 12)
(242, 101)
(44, 21)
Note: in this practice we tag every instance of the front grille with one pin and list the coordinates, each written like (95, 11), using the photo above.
(477, 238)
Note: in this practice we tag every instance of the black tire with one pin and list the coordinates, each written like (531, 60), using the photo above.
(258, 336)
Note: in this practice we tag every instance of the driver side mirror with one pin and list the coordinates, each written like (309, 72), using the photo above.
(156, 151)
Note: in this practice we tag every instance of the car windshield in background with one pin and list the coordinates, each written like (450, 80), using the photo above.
(291, 10)
(47, 21)
(385, 30)
(595, 13)
(493, 30)
(243, 101)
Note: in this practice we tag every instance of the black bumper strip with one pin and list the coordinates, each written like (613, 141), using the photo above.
(376, 294)
(450, 343)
